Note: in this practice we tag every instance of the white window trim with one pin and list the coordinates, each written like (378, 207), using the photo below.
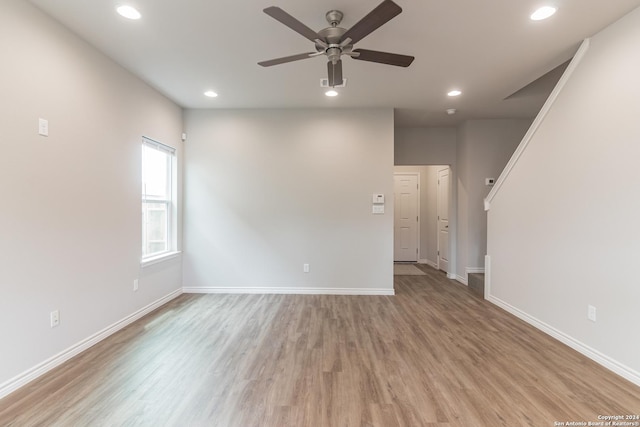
(172, 251)
(156, 259)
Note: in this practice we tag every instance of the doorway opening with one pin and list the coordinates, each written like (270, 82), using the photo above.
(421, 215)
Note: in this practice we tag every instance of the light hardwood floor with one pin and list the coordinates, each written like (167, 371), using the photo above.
(433, 355)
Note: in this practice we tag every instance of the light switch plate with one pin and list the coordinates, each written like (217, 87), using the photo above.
(377, 209)
(43, 127)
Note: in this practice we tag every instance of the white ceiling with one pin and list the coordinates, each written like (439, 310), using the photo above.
(489, 49)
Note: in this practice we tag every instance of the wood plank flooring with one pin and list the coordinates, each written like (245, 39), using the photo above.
(433, 355)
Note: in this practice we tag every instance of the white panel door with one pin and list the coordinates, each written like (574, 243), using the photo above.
(443, 219)
(405, 228)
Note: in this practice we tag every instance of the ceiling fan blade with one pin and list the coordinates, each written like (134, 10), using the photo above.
(383, 57)
(335, 73)
(291, 22)
(379, 16)
(287, 59)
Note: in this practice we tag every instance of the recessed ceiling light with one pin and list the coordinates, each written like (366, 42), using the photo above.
(331, 93)
(543, 13)
(210, 94)
(454, 93)
(128, 12)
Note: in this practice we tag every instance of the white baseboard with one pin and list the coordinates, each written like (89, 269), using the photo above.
(606, 361)
(452, 276)
(295, 291)
(26, 377)
(487, 276)
(471, 270)
(462, 280)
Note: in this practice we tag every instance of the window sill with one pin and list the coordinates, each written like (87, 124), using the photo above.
(159, 258)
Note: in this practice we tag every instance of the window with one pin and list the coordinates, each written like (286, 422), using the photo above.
(158, 211)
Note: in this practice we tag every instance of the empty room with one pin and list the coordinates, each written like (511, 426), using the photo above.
(346, 213)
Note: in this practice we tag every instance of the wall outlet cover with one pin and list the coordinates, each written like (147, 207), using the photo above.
(55, 318)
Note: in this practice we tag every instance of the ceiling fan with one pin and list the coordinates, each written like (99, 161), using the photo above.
(334, 41)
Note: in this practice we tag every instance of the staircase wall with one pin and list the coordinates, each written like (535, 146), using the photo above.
(564, 224)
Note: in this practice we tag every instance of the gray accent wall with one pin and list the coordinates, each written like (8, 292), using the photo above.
(425, 146)
(484, 148)
(432, 146)
(267, 191)
(70, 221)
(475, 150)
(564, 228)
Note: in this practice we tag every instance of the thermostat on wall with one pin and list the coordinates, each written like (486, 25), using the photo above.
(378, 198)
(489, 181)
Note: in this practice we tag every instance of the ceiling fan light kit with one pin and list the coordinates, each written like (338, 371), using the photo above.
(335, 41)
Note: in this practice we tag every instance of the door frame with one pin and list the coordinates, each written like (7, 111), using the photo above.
(419, 213)
(447, 167)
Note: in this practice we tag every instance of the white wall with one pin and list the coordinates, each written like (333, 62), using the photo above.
(70, 203)
(484, 148)
(269, 190)
(564, 229)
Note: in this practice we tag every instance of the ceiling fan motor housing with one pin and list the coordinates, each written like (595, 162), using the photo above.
(332, 37)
